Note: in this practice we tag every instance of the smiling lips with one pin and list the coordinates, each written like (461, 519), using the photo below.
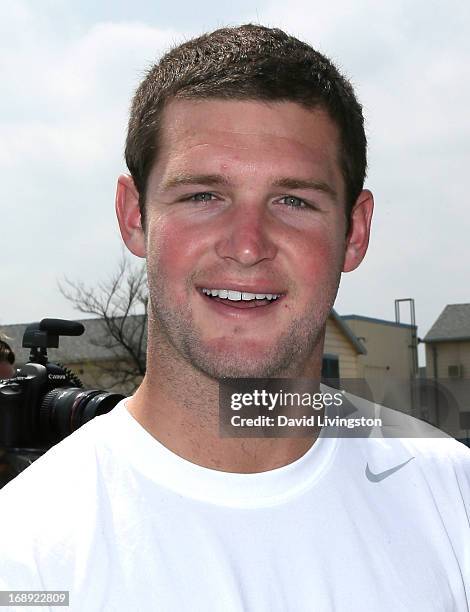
(240, 299)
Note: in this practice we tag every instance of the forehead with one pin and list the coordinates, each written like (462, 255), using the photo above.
(247, 136)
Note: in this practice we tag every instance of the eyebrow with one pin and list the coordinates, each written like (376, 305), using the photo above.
(292, 183)
(179, 180)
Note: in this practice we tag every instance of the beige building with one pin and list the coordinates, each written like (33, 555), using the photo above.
(448, 365)
(390, 365)
(448, 344)
(342, 350)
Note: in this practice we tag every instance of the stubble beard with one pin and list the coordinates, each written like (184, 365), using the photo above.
(286, 357)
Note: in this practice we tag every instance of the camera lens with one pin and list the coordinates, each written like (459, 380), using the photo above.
(65, 409)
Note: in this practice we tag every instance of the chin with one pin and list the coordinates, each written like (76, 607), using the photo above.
(231, 369)
(252, 362)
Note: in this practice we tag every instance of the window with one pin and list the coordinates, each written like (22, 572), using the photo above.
(330, 370)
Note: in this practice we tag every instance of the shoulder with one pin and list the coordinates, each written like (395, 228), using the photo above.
(432, 471)
(58, 466)
(67, 464)
(439, 453)
(436, 460)
(49, 512)
(50, 495)
(441, 456)
(51, 485)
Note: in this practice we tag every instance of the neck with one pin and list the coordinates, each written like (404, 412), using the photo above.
(179, 406)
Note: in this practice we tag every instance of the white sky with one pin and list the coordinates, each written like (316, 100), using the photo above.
(68, 70)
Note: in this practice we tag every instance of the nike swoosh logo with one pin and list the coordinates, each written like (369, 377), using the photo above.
(381, 475)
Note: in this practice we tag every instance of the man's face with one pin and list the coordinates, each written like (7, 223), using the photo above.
(246, 199)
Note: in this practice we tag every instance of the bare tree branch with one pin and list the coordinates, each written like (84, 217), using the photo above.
(121, 303)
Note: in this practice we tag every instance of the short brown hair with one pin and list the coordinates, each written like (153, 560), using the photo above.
(249, 62)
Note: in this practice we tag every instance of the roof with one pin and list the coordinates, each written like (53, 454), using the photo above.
(354, 317)
(452, 324)
(348, 332)
(94, 345)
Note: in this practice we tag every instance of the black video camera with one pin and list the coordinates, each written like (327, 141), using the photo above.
(45, 402)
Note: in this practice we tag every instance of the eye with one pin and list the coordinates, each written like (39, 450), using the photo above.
(293, 202)
(203, 196)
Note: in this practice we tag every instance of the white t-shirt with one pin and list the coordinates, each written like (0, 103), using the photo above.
(124, 524)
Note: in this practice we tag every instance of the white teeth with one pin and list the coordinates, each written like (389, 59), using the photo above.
(236, 296)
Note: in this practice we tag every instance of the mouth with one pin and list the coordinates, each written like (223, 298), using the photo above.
(239, 299)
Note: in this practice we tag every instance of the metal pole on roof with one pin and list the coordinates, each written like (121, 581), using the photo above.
(413, 347)
(413, 331)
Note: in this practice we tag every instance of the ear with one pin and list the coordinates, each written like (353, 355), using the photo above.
(128, 214)
(357, 239)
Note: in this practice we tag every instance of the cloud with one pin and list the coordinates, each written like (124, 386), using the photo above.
(63, 115)
(67, 97)
(66, 88)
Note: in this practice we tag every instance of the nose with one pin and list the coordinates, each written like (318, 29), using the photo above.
(246, 237)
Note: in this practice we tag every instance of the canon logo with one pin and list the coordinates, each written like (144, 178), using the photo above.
(57, 376)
